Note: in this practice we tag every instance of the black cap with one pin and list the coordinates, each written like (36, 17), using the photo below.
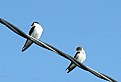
(79, 48)
(34, 22)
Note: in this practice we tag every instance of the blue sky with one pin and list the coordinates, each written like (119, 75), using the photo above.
(92, 24)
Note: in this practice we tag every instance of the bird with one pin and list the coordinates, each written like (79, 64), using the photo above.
(79, 56)
(36, 32)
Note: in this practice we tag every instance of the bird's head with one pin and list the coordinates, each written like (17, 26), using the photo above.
(34, 23)
(79, 49)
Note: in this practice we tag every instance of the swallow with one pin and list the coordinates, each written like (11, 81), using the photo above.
(36, 32)
(79, 56)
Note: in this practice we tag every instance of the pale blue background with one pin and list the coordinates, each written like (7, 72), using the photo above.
(92, 24)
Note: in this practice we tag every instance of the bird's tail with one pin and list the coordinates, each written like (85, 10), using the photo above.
(27, 45)
(67, 70)
(23, 49)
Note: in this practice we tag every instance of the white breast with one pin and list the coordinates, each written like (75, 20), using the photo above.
(81, 56)
(37, 31)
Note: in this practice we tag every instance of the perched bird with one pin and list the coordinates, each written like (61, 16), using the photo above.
(79, 56)
(36, 32)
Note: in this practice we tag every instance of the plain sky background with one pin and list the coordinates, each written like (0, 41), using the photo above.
(92, 24)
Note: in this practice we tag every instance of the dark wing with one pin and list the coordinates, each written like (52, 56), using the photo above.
(70, 69)
(76, 55)
(69, 66)
(26, 45)
(31, 30)
(72, 62)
